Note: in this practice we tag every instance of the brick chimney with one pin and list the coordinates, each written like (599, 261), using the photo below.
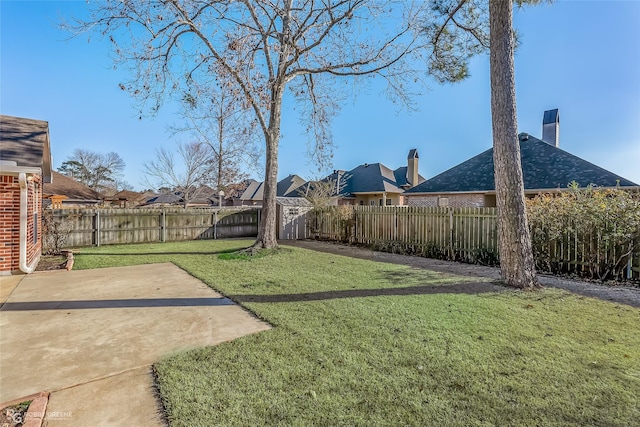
(412, 167)
(551, 127)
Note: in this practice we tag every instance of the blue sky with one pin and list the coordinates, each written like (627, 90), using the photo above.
(582, 57)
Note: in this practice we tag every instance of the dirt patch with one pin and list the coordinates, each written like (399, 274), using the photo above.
(51, 262)
(618, 294)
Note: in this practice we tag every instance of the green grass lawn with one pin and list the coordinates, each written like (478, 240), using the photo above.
(362, 343)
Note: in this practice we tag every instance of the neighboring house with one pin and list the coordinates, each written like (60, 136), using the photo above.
(25, 165)
(204, 198)
(66, 192)
(234, 192)
(129, 199)
(545, 167)
(375, 184)
(160, 200)
(287, 187)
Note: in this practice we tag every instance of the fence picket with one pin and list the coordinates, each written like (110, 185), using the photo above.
(118, 226)
(465, 234)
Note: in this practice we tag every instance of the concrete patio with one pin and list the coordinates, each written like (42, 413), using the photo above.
(89, 338)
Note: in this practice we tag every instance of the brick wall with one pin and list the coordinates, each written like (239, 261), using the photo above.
(10, 222)
(452, 200)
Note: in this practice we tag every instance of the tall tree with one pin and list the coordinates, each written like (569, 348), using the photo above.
(517, 265)
(95, 170)
(263, 47)
(466, 28)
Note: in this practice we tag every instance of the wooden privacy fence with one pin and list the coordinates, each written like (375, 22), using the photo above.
(95, 227)
(466, 234)
(451, 233)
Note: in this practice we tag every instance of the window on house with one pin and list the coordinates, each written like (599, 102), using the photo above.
(36, 197)
(361, 202)
(293, 211)
(372, 202)
(388, 202)
(443, 202)
(36, 209)
(35, 228)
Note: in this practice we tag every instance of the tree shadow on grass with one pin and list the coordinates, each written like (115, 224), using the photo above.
(469, 288)
(397, 277)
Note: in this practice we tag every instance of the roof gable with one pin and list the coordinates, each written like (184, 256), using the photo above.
(26, 142)
(286, 187)
(251, 192)
(401, 177)
(544, 166)
(370, 178)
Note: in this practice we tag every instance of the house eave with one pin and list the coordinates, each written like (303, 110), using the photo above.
(16, 170)
(366, 193)
(440, 193)
(47, 160)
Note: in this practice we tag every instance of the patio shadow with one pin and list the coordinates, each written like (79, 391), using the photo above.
(116, 303)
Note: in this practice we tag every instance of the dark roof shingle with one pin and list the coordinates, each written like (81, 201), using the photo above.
(544, 166)
(26, 142)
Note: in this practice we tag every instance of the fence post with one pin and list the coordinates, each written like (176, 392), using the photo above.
(451, 232)
(163, 226)
(259, 214)
(97, 228)
(215, 225)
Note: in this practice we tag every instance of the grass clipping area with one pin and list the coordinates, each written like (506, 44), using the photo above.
(363, 343)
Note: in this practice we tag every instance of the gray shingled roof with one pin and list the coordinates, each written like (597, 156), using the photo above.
(543, 167)
(366, 178)
(401, 176)
(371, 178)
(293, 201)
(251, 192)
(168, 199)
(376, 177)
(286, 187)
(26, 142)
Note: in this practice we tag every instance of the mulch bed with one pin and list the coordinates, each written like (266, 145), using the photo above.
(51, 262)
(14, 415)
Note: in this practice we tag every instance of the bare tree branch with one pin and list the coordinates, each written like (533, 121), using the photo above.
(260, 48)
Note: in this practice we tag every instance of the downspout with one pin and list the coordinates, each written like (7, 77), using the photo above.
(22, 178)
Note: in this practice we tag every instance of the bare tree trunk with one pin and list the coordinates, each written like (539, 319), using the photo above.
(267, 234)
(220, 148)
(516, 256)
